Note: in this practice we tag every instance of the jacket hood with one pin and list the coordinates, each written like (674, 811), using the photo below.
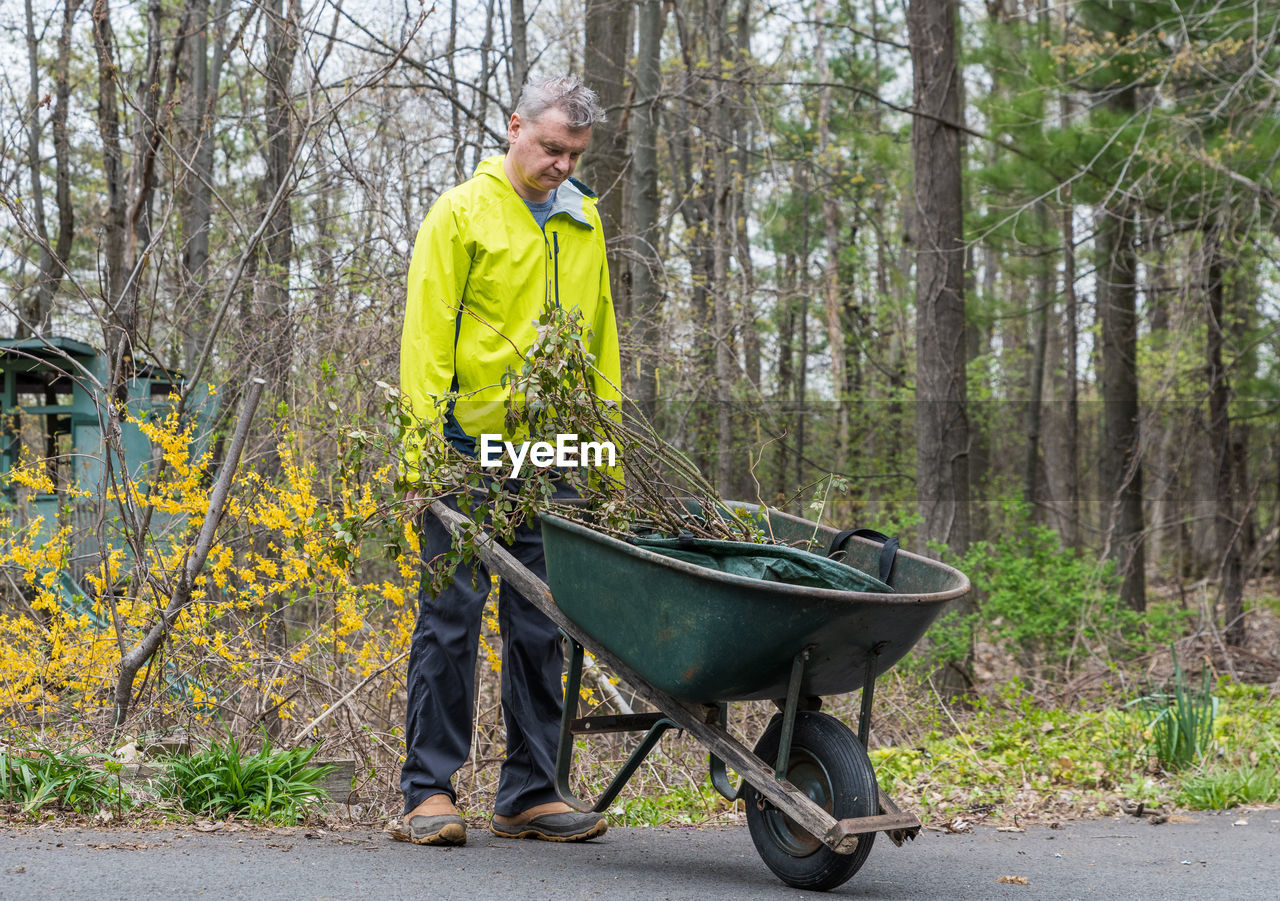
(570, 198)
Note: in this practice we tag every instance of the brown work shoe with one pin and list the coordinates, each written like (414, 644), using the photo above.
(554, 827)
(441, 829)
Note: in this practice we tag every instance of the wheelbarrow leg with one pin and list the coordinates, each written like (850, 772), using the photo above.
(868, 694)
(906, 826)
(564, 753)
(789, 713)
(790, 706)
(719, 772)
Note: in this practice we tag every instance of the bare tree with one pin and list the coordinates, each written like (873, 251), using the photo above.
(120, 325)
(52, 256)
(196, 183)
(273, 311)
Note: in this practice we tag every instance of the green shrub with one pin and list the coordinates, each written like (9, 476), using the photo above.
(273, 785)
(37, 777)
(1041, 600)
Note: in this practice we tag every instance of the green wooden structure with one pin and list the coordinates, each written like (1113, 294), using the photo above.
(52, 406)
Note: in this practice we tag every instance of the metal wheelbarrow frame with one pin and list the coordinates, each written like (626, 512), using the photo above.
(813, 642)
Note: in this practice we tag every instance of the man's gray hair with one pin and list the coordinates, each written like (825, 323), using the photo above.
(566, 93)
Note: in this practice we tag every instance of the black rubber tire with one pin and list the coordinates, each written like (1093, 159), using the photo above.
(830, 765)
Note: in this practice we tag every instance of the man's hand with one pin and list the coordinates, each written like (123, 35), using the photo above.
(416, 500)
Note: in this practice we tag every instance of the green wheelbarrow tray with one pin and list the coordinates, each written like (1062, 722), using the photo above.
(704, 636)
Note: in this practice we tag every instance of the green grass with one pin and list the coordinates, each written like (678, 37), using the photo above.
(1220, 787)
(272, 785)
(1013, 756)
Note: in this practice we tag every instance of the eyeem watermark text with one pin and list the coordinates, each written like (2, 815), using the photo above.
(566, 452)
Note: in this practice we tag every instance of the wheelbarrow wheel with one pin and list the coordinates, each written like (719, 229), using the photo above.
(829, 764)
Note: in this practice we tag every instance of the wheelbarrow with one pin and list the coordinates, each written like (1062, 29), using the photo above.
(689, 639)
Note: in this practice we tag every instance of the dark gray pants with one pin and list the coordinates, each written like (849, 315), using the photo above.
(442, 686)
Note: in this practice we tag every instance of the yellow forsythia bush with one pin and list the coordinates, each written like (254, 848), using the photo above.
(287, 613)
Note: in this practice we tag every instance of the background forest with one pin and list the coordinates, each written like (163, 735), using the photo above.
(1000, 278)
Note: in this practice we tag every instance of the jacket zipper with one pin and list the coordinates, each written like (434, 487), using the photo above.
(555, 263)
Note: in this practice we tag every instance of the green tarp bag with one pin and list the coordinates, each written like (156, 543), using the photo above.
(766, 562)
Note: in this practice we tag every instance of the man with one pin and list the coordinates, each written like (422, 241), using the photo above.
(491, 254)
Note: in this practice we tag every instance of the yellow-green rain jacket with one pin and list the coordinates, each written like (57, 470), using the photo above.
(479, 278)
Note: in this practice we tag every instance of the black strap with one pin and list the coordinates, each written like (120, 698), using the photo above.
(888, 550)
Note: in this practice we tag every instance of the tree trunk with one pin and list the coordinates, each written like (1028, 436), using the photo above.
(827, 162)
(146, 138)
(36, 303)
(519, 51)
(1165, 434)
(942, 428)
(119, 327)
(645, 265)
(455, 114)
(723, 234)
(1040, 306)
(1071, 438)
(1227, 519)
(199, 115)
(743, 157)
(1241, 308)
(482, 89)
(274, 316)
(62, 141)
(1121, 467)
(694, 149)
(786, 313)
(609, 28)
(981, 413)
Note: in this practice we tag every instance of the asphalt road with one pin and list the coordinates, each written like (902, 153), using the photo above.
(1210, 858)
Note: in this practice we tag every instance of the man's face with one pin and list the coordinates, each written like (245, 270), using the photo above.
(544, 152)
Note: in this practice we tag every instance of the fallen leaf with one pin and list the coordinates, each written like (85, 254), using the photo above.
(208, 826)
(1014, 880)
(957, 826)
(1241, 822)
(1010, 829)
